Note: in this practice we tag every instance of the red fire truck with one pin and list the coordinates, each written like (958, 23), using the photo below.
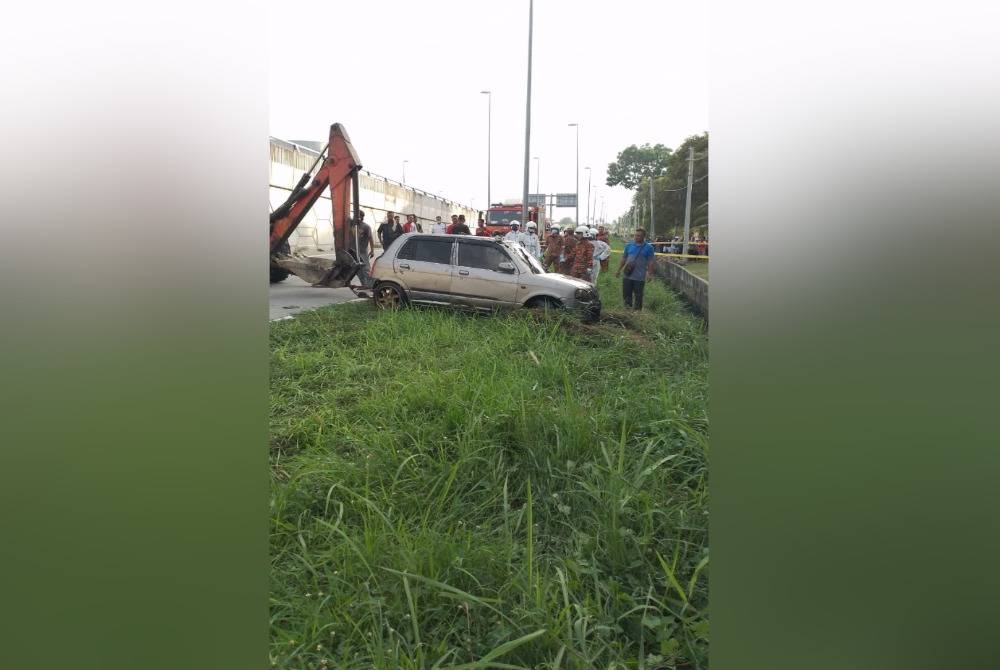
(500, 216)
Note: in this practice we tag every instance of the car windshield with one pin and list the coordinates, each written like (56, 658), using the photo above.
(536, 267)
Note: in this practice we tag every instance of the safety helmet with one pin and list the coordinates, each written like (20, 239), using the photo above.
(515, 224)
(582, 229)
(531, 225)
(593, 231)
(554, 229)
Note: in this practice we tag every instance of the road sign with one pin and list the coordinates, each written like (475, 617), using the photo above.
(565, 199)
(536, 199)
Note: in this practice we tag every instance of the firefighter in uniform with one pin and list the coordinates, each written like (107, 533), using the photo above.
(553, 248)
(569, 241)
(582, 256)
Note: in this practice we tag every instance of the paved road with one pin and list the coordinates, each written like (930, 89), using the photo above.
(294, 295)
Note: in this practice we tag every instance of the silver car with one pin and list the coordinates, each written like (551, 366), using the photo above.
(476, 273)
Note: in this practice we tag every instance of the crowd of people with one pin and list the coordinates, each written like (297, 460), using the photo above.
(580, 252)
(697, 246)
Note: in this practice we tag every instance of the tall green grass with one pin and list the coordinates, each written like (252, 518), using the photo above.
(519, 491)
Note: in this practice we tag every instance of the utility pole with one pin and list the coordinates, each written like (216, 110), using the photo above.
(589, 174)
(489, 147)
(527, 120)
(577, 187)
(687, 203)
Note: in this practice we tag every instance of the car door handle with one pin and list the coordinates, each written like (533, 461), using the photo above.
(463, 272)
(405, 266)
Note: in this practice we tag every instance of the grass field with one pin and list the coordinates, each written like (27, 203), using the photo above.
(699, 268)
(461, 491)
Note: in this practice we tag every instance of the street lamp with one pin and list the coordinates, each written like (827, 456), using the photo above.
(589, 174)
(577, 189)
(489, 143)
(527, 117)
(404, 171)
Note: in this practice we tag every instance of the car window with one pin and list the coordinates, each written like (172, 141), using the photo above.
(536, 267)
(429, 251)
(483, 256)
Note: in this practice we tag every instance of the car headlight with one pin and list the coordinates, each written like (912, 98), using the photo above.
(585, 294)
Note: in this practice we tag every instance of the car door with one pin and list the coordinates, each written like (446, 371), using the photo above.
(478, 280)
(423, 266)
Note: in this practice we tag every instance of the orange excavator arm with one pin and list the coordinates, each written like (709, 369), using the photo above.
(339, 171)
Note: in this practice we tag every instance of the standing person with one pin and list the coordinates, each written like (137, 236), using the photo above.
(408, 226)
(438, 228)
(569, 241)
(362, 247)
(514, 234)
(481, 228)
(602, 251)
(531, 242)
(385, 229)
(451, 226)
(553, 248)
(582, 259)
(637, 260)
(603, 236)
(460, 228)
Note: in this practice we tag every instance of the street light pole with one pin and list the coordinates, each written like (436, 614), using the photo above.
(589, 175)
(404, 172)
(489, 144)
(527, 120)
(577, 187)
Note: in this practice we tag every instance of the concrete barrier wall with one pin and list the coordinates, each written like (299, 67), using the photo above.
(694, 289)
(378, 194)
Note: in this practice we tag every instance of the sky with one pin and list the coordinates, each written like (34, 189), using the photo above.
(404, 78)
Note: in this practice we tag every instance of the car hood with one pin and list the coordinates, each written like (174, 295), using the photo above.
(556, 279)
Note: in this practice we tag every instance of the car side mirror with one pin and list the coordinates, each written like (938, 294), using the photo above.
(506, 266)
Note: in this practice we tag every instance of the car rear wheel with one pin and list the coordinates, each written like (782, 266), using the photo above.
(389, 296)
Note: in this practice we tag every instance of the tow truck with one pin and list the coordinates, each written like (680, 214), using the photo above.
(338, 168)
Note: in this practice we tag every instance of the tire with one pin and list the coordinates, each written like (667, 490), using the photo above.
(544, 304)
(278, 274)
(388, 297)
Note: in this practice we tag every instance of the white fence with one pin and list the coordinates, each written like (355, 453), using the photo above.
(377, 194)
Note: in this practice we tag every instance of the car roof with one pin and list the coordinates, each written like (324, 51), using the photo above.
(474, 239)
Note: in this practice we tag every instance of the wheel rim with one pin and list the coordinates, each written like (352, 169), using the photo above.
(388, 298)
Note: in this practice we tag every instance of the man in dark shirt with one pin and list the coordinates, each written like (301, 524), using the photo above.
(389, 230)
(361, 246)
(460, 228)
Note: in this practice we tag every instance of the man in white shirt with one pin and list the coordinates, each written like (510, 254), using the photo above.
(438, 228)
(602, 250)
(515, 234)
(531, 243)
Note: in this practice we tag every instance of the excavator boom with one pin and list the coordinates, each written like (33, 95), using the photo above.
(338, 171)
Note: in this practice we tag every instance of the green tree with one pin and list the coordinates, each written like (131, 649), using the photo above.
(670, 192)
(566, 221)
(637, 163)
